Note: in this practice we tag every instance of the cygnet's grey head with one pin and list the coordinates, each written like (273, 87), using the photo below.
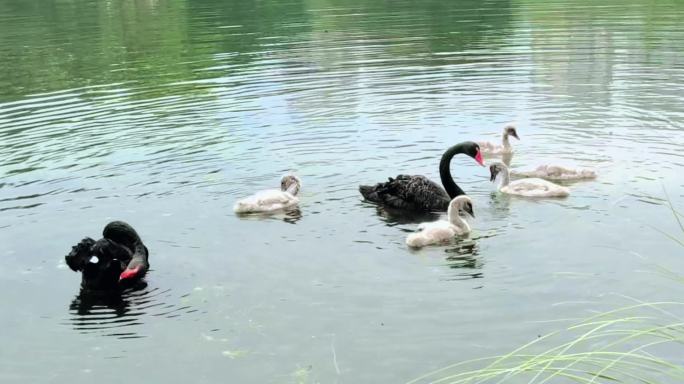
(463, 205)
(510, 131)
(495, 169)
(290, 183)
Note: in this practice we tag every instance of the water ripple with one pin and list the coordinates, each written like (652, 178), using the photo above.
(111, 315)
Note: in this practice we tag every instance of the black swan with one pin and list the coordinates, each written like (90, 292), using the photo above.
(418, 193)
(115, 261)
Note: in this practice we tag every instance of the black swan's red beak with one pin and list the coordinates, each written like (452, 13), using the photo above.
(129, 273)
(478, 158)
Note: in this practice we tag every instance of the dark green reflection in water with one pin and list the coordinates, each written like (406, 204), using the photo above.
(50, 46)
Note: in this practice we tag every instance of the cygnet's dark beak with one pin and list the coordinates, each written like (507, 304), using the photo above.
(515, 134)
(492, 173)
(468, 208)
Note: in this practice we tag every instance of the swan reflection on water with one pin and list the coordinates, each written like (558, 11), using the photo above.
(462, 258)
(107, 311)
(291, 215)
(118, 314)
(394, 216)
(500, 204)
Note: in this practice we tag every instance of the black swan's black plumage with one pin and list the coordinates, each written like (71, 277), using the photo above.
(121, 257)
(418, 193)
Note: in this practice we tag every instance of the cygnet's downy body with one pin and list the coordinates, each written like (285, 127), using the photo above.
(557, 172)
(442, 231)
(530, 187)
(272, 200)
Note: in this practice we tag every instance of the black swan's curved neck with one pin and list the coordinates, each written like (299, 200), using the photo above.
(445, 170)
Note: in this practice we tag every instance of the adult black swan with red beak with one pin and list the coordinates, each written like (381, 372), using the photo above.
(116, 261)
(418, 193)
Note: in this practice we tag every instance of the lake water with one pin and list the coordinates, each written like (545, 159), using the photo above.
(163, 113)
